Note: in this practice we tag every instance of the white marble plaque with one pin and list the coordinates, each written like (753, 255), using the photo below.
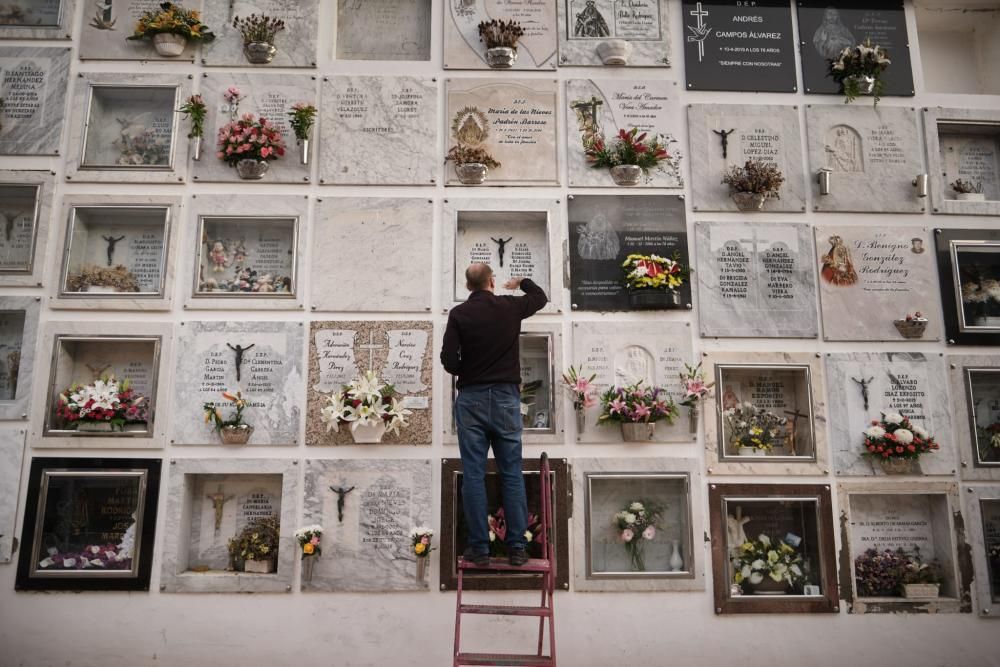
(379, 131)
(263, 360)
(514, 120)
(585, 24)
(602, 107)
(11, 455)
(895, 522)
(384, 30)
(352, 230)
(463, 49)
(872, 155)
(369, 548)
(870, 276)
(723, 136)
(514, 244)
(33, 84)
(756, 280)
(911, 384)
(104, 27)
(296, 44)
(622, 354)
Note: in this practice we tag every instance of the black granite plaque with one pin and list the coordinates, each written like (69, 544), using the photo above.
(969, 272)
(743, 45)
(825, 28)
(604, 230)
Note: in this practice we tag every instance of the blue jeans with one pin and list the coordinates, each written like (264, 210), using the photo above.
(490, 415)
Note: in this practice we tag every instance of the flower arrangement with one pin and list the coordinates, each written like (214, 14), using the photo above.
(694, 386)
(966, 187)
(858, 69)
(172, 19)
(91, 557)
(755, 177)
(500, 34)
(752, 427)
(104, 401)
(463, 154)
(636, 403)
(983, 295)
(366, 401)
(258, 541)
(779, 561)
(654, 272)
(884, 573)
(497, 523)
(301, 117)
(256, 28)
(895, 437)
(249, 138)
(214, 414)
(527, 391)
(420, 538)
(140, 146)
(581, 388)
(119, 278)
(195, 109)
(636, 525)
(628, 147)
(991, 435)
(309, 541)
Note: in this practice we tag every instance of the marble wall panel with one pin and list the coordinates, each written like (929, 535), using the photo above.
(644, 24)
(11, 454)
(104, 27)
(18, 339)
(40, 19)
(296, 44)
(26, 207)
(33, 84)
(387, 30)
(963, 143)
(536, 49)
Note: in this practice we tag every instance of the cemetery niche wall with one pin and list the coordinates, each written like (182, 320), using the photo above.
(968, 273)
(975, 406)
(388, 30)
(607, 231)
(89, 524)
(982, 507)
(963, 154)
(465, 48)
(38, 19)
(453, 528)
(33, 84)
(12, 437)
(603, 32)
(25, 208)
(749, 522)
(18, 336)
(887, 527)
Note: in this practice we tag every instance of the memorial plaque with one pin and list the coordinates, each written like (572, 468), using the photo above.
(514, 120)
(536, 49)
(366, 538)
(898, 521)
(623, 354)
(869, 385)
(605, 229)
(827, 28)
(296, 44)
(398, 351)
(263, 360)
(353, 229)
(756, 280)
(873, 276)
(592, 30)
(969, 270)
(11, 454)
(386, 30)
(36, 19)
(33, 84)
(89, 524)
(104, 27)
(368, 119)
(870, 157)
(740, 46)
(602, 107)
(270, 96)
(724, 136)
(18, 335)
(963, 144)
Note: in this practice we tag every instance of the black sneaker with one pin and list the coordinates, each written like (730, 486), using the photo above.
(518, 557)
(479, 560)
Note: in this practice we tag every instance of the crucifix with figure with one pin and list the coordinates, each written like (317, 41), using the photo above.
(341, 492)
(219, 499)
(501, 245)
(238, 351)
(724, 135)
(793, 421)
(864, 388)
(112, 242)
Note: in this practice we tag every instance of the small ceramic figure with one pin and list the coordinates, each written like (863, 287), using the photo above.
(218, 256)
(240, 254)
(265, 283)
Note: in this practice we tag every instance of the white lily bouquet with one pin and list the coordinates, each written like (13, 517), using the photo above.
(365, 403)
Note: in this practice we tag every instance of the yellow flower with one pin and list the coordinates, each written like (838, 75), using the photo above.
(747, 546)
(308, 548)
(419, 548)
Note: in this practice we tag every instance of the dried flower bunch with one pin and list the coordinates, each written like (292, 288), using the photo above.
(195, 109)
(635, 403)
(854, 64)
(173, 19)
(260, 28)
(764, 557)
(301, 117)
(894, 436)
(756, 177)
(257, 541)
(629, 147)
(500, 33)
(118, 277)
(883, 573)
(967, 187)
(462, 154)
(213, 412)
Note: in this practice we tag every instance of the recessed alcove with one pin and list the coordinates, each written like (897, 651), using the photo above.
(959, 46)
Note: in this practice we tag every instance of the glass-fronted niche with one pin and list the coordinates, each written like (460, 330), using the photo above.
(247, 257)
(89, 524)
(118, 372)
(774, 548)
(983, 392)
(11, 343)
(514, 243)
(969, 160)
(31, 14)
(990, 510)
(19, 207)
(765, 411)
(112, 250)
(638, 525)
(130, 127)
(969, 269)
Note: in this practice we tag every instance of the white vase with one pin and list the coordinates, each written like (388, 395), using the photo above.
(169, 45)
(614, 51)
(676, 562)
(364, 434)
(751, 451)
(970, 196)
(100, 289)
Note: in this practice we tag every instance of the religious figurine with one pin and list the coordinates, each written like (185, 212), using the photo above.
(735, 531)
(217, 255)
(724, 135)
(218, 499)
(597, 239)
(838, 267)
(238, 351)
(864, 388)
(590, 23)
(112, 242)
(501, 244)
(843, 150)
(729, 399)
(341, 492)
(832, 36)
(98, 371)
(240, 254)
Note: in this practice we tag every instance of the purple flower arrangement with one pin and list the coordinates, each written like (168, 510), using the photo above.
(91, 557)
(636, 403)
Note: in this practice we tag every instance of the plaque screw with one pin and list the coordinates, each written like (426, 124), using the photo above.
(288, 589)
(443, 587)
(953, 366)
(24, 416)
(566, 586)
(163, 587)
(951, 341)
(718, 610)
(836, 608)
(967, 489)
(986, 611)
(965, 464)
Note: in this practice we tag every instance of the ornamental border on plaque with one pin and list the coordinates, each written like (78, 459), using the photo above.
(17, 408)
(938, 118)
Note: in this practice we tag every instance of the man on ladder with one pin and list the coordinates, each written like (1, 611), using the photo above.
(481, 347)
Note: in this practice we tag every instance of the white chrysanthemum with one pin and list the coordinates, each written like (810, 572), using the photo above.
(636, 507)
(796, 570)
(629, 518)
(903, 436)
(875, 432)
(920, 432)
(421, 530)
(893, 418)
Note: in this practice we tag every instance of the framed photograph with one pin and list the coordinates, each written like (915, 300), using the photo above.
(969, 270)
(89, 524)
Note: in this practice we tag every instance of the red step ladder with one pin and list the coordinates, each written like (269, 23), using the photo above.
(545, 567)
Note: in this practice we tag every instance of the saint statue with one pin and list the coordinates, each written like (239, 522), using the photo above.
(838, 267)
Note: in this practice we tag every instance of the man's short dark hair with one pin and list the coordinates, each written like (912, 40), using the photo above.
(477, 277)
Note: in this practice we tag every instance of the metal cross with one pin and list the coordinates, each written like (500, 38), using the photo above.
(725, 140)
(371, 346)
(341, 492)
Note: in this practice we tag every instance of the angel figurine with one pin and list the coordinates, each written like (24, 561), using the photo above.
(218, 257)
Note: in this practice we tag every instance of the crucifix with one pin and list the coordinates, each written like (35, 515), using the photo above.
(792, 428)
(112, 241)
(725, 140)
(501, 243)
(218, 499)
(239, 350)
(734, 528)
(371, 346)
(98, 371)
(864, 388)
(341, 492)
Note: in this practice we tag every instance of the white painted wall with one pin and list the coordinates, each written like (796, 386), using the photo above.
(134, 629)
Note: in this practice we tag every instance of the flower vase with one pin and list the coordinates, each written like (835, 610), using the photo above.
(751, 451)
(921, 590)
(308, 565)
(627, 175)
(749, 201)
(369, 435)
(635, 555)
(259, 53)
(581, 420)
(501, 57)
(651, 298)
(196, 148)
(252, 170)
(169, 45)
(614, 51)
(94, 427)
(693, 418)
(894, 465)
(258, 566)
(910, 328)
(866, 84)
(471, 173)
(770, 587)
(421, 575)
(303, 150)
(638, 431)
(676, 562)
(235, 435)
(970, 196)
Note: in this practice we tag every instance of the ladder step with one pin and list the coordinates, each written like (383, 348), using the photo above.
(504, 660)
(505, 610)
(534, 565)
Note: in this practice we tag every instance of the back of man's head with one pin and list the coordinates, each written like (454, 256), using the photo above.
(477, 277)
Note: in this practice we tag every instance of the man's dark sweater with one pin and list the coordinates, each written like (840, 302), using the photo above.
(481, 344)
